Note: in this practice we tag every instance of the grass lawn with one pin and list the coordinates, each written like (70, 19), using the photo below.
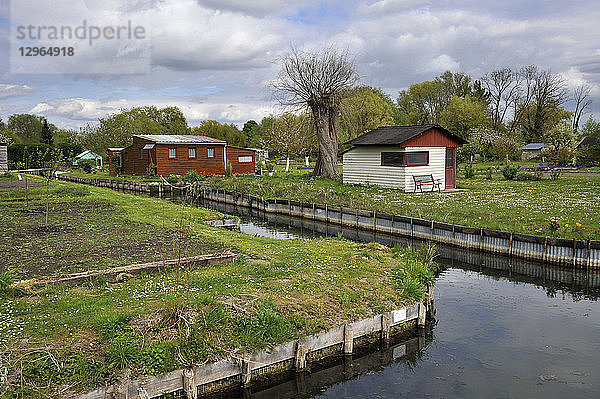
(519, 206)
(76, 338)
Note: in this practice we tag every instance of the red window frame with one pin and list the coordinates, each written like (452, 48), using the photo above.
(404, 159)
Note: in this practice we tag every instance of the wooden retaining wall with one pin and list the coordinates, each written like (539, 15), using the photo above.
(558, 251)
(295, 355)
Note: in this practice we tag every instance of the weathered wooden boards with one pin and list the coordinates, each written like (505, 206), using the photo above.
(283, 357)
(115, 272)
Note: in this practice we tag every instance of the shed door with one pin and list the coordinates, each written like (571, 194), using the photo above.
(450, 167)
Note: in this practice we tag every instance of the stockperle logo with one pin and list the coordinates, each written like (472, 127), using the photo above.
(77, 37)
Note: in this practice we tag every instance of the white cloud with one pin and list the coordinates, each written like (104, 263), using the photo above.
(7, 90)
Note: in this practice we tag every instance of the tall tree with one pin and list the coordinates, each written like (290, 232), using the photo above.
(548, 92)
(247, 129)
(582, 101)
(46, 135)
(291, 135)
(117, 129)
(27, 128)
(316, 81)
(591, 127)
(503, 86)
(463, 115)
(222, 131)
(363, 109)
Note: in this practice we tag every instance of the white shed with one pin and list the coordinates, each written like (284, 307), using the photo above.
(391, 156)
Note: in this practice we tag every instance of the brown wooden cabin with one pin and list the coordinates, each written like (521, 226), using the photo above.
(180, 154)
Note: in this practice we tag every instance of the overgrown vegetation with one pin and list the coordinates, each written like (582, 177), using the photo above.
(55, 338)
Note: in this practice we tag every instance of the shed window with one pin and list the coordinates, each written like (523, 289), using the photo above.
(211, 152)
(419, 158)
(172, 153)
(245, 158)
(191, 152)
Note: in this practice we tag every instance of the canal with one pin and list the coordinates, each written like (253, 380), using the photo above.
(503, 329)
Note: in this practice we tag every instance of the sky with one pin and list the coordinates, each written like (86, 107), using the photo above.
(214, 58)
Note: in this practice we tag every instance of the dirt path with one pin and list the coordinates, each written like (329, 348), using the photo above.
(11, 184)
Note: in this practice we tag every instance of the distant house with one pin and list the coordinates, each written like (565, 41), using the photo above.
(390, 156)
(180, 154)
(92, 156)
(532, 150)
(589, 141)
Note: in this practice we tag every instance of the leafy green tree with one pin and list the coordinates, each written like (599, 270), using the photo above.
(46, 134)
(256, 137)
(464, 115)
(247, 129)
(591, 127)
(561, 136)
(227, 132)
(27, 128)
(364, 109)
(291, 135)
(117, 130)
(538, 120)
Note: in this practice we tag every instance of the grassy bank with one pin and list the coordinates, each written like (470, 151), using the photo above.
(519, 206)
(66, 339)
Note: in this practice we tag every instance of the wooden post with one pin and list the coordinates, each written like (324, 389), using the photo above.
(348, 340)
(453, 233)
(246, 371)
(189, 385)
(411, 227)
(589, 254)
(431, 230)
(510, 241)
(545, 255)
(574, 253)
(422, 314)
(300, 358)
(480, 238)
(314, 211)
(356, 218)
(374, 220)
(385, 329)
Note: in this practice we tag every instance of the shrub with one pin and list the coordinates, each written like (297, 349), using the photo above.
(555, 173)
(469, 171)
(157, 358)
(86, 164)
(565, 156)
(123, 351)
(588, 156)
(151, 170)
(524, 176)
(488, 174)
(510, 172)
(228, 170)
(192, 176)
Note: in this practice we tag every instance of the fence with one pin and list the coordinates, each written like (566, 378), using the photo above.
(295, 355)
(559, 251)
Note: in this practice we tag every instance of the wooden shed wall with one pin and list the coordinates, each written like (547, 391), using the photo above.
(132, 164)
(432, 138)
(241, 168)
(182, 164)
(362, 165)
(436, 167)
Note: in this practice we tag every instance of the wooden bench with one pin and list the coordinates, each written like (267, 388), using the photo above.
(421, 180)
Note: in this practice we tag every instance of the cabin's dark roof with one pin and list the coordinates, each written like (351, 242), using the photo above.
(589, 141)
(396, 135)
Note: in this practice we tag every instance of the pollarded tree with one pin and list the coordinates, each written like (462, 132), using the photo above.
(316, 81)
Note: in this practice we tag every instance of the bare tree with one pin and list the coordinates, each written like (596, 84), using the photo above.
(547, 91)
(316, 81)
(582, 101)
(503, 86)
